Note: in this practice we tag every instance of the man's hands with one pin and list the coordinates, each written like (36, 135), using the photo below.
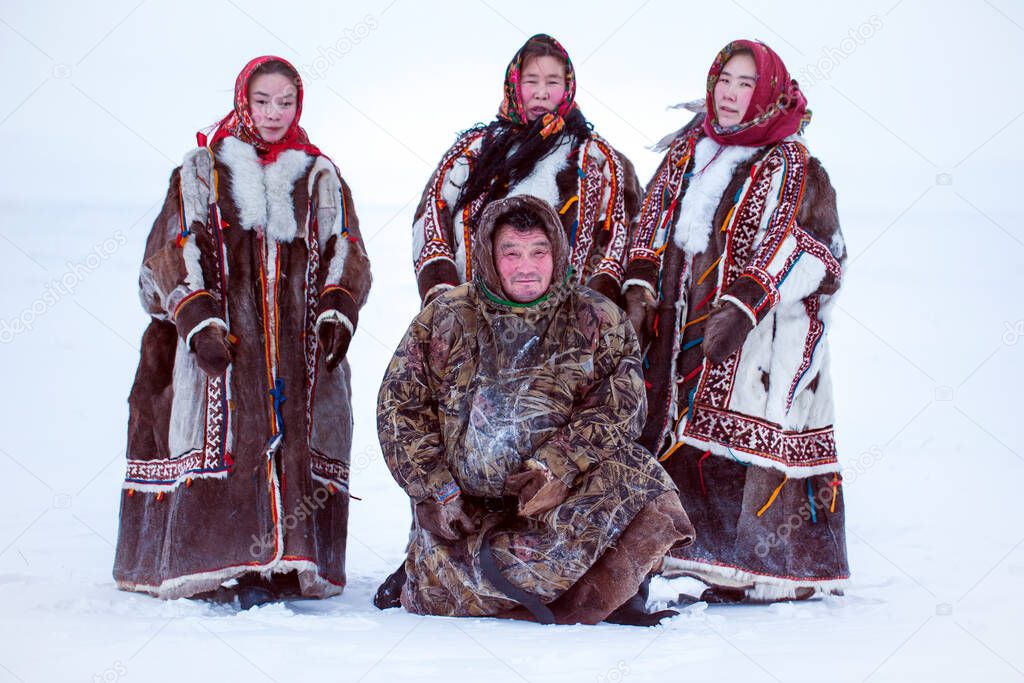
(537, 491)
(726, 330)
(334, 340)
(444, 520)
(640, 308)
(212, 349)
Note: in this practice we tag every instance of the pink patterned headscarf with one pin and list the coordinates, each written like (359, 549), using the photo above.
(512, 108)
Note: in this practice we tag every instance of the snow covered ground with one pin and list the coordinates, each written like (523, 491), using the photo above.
(917, 118)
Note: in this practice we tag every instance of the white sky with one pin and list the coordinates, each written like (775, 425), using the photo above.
(920, 126)
(102, 99)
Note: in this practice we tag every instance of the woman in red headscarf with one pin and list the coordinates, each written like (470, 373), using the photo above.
(540, 144)
(239, 419)
(733, 269)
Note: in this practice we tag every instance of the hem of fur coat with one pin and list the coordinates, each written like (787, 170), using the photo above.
(791, 471)
(166, 487)
(312, 583)
(759, 587)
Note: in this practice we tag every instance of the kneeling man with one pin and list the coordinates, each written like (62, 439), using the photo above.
(509, 414)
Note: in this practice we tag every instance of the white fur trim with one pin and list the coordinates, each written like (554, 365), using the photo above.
(196, 184)
(451, 190)
(340, 487)
(337, 266)
(275, 482)
(153, 300)
(796, 137)
(263, 194)
(742, 306)
(247, 188)
(201, 326)
(838, 246)
(713, 166)
(639, 283)
(541, 181)
(193, 269)
(758, 586)
(336, 316)
(279, 179)
(325, 186)
(191, 584)
(271, 275)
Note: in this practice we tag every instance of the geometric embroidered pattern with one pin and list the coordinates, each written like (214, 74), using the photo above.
(757, 437)
(208, 460)
(435, 242)
(814, 334)
(661, 198)
(312, 305)
(335, 471)
(591, 191)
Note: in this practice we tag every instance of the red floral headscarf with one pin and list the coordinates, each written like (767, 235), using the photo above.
(777, 108)
(512, 108)
(239, 122)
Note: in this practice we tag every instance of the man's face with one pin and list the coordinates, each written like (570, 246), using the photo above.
(524, 263)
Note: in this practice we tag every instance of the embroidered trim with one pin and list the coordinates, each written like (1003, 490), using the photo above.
(330, 471)
(761, 438)
(815, 333)
(434, 243)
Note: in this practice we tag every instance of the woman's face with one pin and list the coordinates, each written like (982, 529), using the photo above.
(734, 89)
(542, 85)
(272, 103)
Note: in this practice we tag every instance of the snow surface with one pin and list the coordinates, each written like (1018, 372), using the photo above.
(919, 124)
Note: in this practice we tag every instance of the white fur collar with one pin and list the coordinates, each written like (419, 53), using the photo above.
(263, 194)
(705, 190)
(542, 181)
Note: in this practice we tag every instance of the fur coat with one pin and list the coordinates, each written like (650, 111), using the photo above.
(754, 228)
(246, 471)
(774, 208)
(593, 187)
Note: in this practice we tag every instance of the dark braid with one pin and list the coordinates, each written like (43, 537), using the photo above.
(494, 171)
